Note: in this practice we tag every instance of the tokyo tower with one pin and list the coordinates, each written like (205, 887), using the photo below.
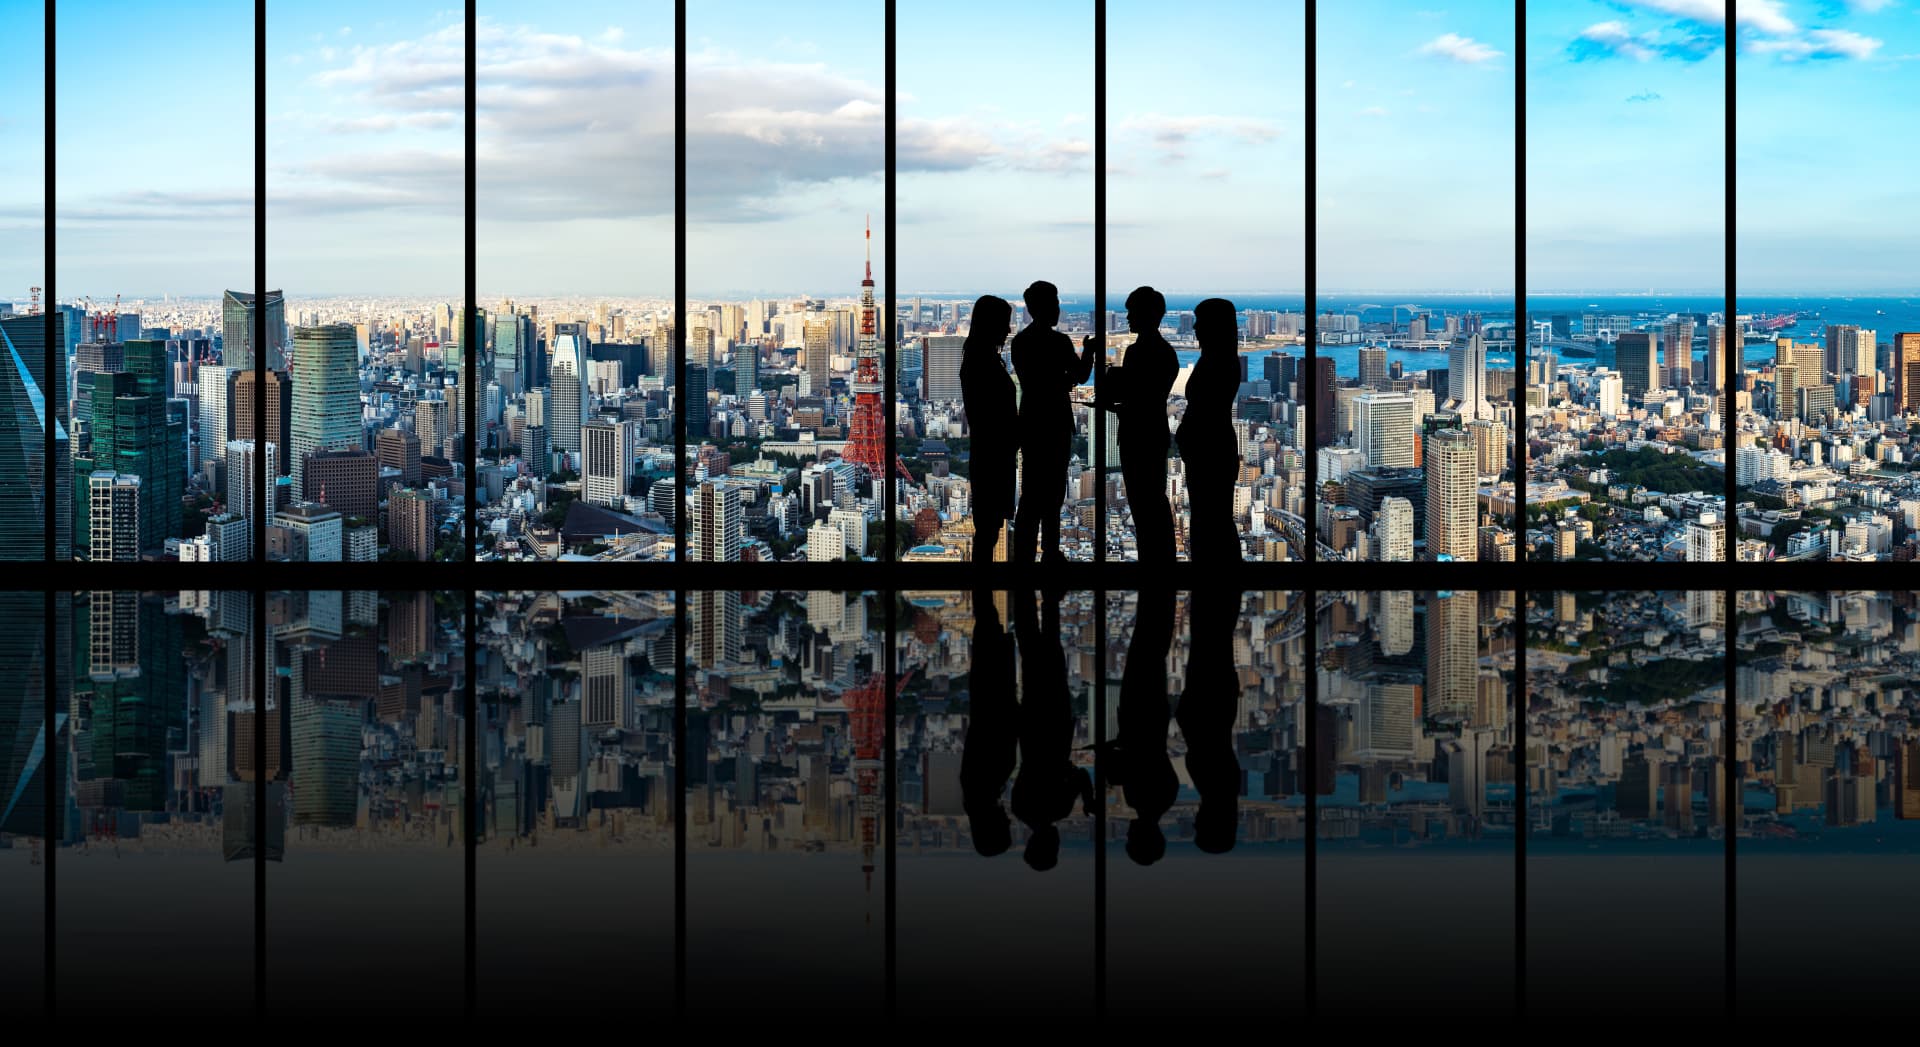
(867, 435)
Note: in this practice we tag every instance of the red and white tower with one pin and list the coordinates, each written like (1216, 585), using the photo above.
(867, 434)
(867, 707)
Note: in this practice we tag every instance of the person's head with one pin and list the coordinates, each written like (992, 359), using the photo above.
(1216, 326)
(1146, 307)
(1146, 844)
(1043, 303)
(992, 320)
(1043, 848)
(992, 830)
(1215, 827)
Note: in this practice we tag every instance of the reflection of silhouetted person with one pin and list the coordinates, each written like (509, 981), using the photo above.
(1209, 708)
(1139, 763)
(1048, 369)
(993, 729)
(1137, 394)
(988, 391)
(1209, 449)
(1048, 782)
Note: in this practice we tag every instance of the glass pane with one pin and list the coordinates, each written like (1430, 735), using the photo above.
(25, 373)
(146, 242)
(367, 738)
(995, 189)
(365, 226)
(1206, 190)
(160, 863)
(576, 766)
(1830, 773)
(25, 777)
(1829, 372)
(1206, 812)
(786, 796)
(575, 256)
(785, 409)
(1416, 690)
(996, 688)
(1625, 800)
(1415, 274)
(1625, 282)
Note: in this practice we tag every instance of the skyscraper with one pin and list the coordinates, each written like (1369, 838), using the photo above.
(1676, 336)
(819, 350)
(1636, 357)
(214, 427)
(1452, 496)
(114, 517)
(279, 412)
(1325, 414)
(134, 434)
(236, 329)
(606, 460)
(1383, 425)
(23, 431)
(1373, 366)
(1453, 652)
(717, 524)
(326, 397)
(566, 410)
(1467, 378)
(1706, 539)
(941, 365)
(1906, 370)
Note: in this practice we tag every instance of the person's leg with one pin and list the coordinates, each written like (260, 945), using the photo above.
(1026, 518)
(1050, 518)
(1147, 497)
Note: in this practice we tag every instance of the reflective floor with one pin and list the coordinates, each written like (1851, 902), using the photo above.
(1130, 804)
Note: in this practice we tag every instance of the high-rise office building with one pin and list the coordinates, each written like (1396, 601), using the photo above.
(1452, 496)
(567, 407)
(1325, 413)
(1636, 357)
(236, 329)
(941, 366)
(135, 433)
(1373, 366)
(1849, 351)
(214, 427)
(606, 460)
(347, 480)
(326, 397)
(1676, 339)
(1467, 378)
(746, 369)
(23, 431)
(1383, 427)
(242, 497)
(1906, 371)
(819, 352)
(279, 411)
(413, 522)
(113, 517)
(717, 524)
(1393, 529)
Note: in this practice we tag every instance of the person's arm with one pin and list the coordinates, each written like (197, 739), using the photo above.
(1081, 366)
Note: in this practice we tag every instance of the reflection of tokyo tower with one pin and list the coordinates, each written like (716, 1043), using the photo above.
(867, 704)
(867, 435)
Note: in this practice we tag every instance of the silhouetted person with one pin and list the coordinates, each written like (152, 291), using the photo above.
(1209, 708)
(1137, 395)
(993, 730)
(988, 391)
(1137, 758)
(1048, 369)
(1208, 445)
(1048, 782)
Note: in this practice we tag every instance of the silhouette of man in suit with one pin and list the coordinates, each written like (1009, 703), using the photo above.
(1048, 369)
(1136, 393)
(1209, 448)
(988, 392)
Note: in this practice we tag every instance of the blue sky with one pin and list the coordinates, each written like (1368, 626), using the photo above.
(1415, 150)
(23, 129)
(1626, 146)
(1827, 198)
(1206, 146)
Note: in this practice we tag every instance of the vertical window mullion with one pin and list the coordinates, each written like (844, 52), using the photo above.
(1522, 324)
(681, 532)
(1097, 453)
(1306, 382)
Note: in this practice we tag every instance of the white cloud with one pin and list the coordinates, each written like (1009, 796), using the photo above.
(1768, 16)
(1460, 49)
(1870, 6)
(1820, 43)
(1616, 37)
